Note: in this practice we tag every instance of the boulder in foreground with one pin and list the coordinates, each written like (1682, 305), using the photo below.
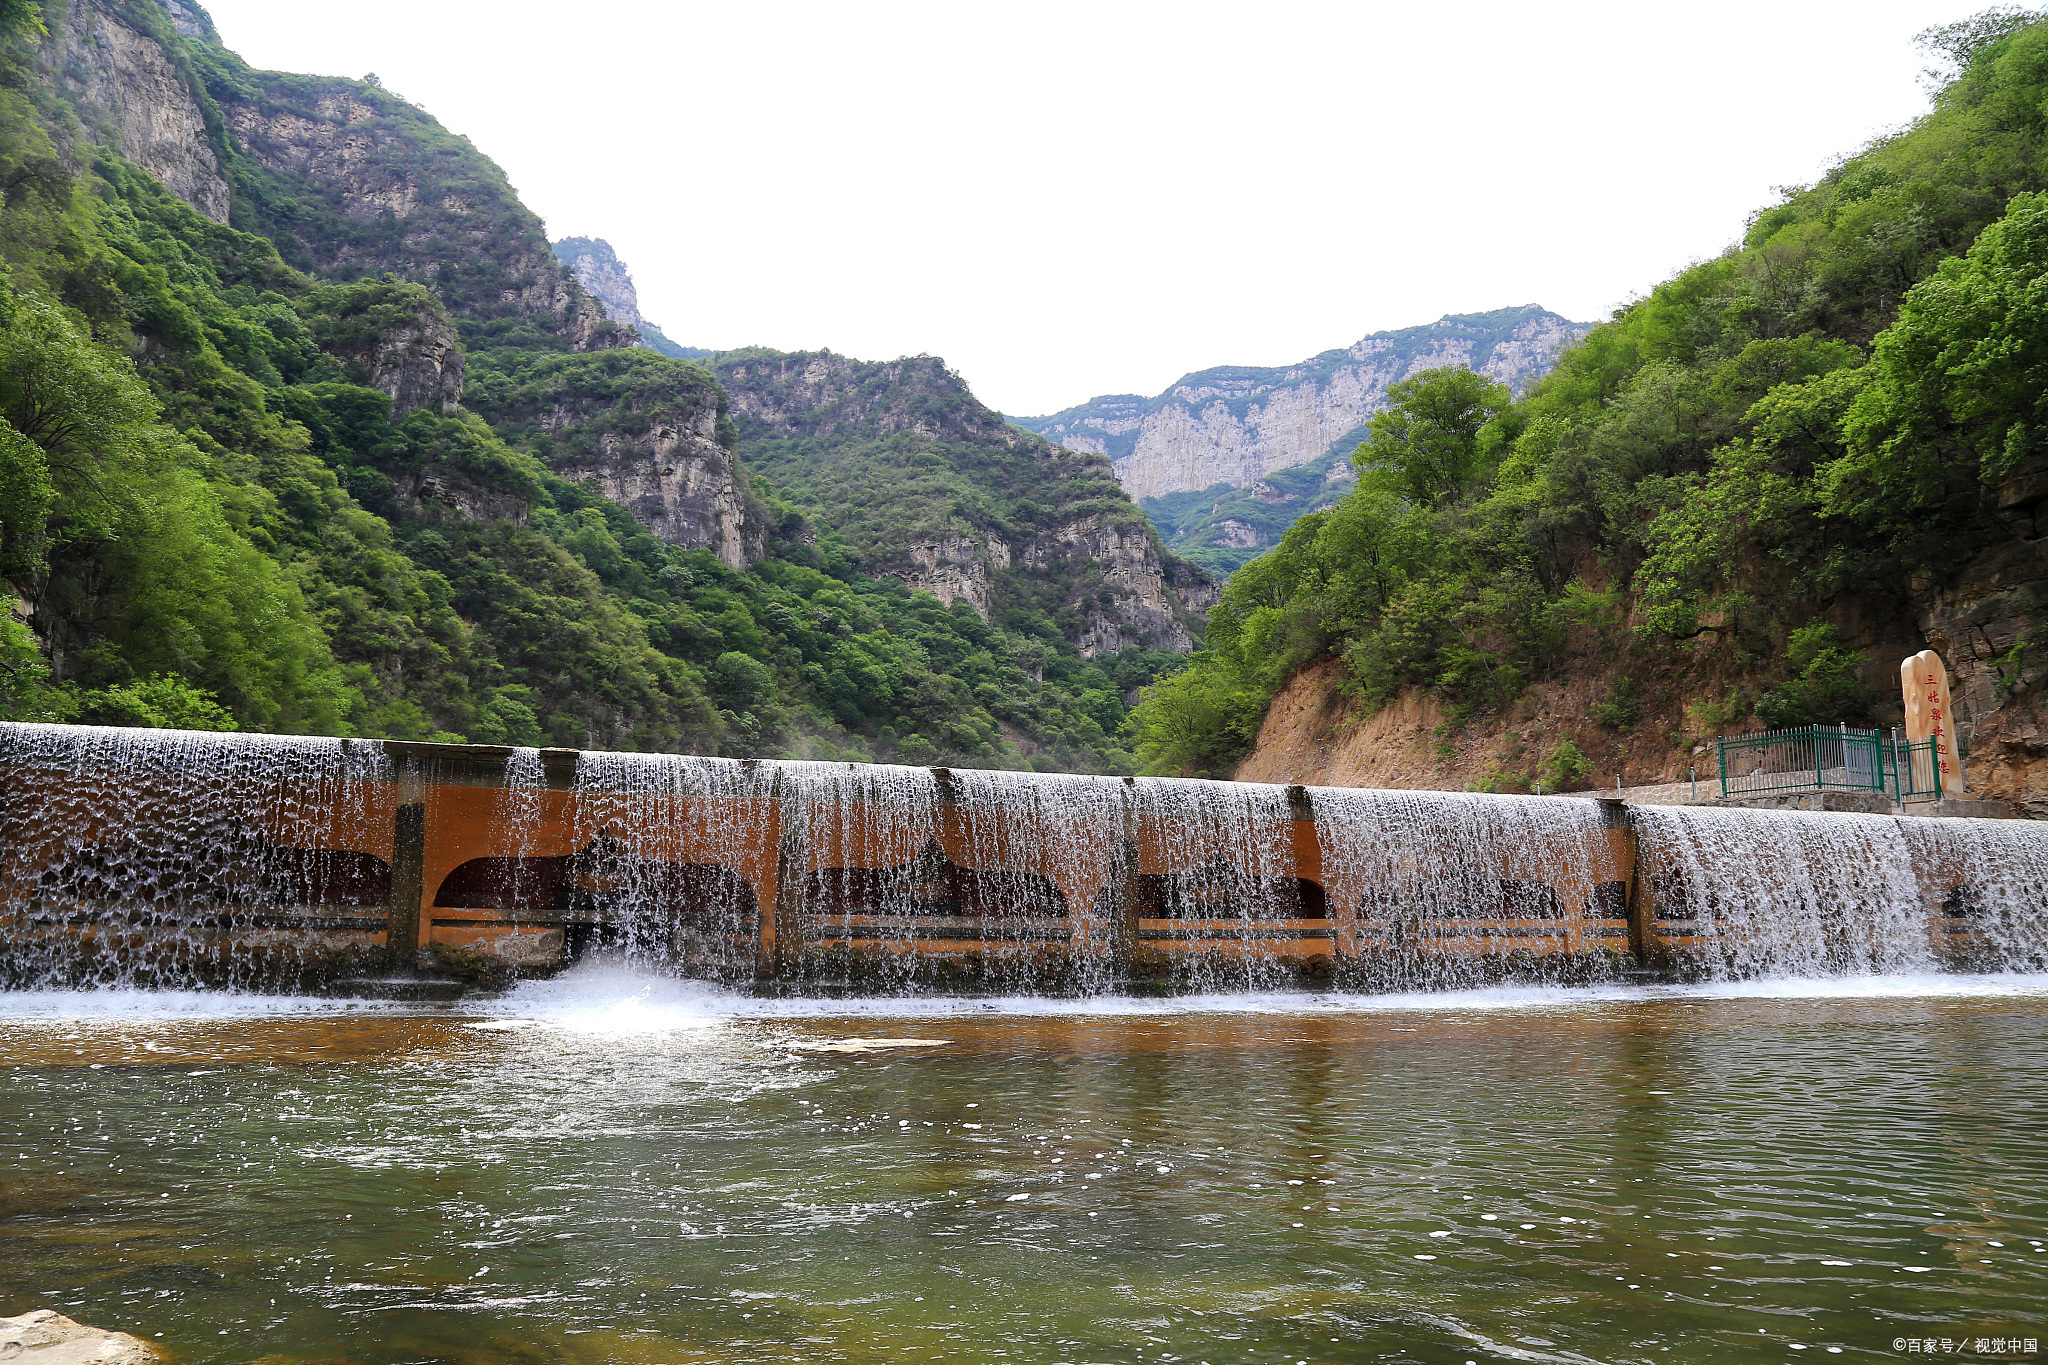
(44, 1337)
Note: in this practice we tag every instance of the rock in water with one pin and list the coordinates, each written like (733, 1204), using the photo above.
(49, 1338)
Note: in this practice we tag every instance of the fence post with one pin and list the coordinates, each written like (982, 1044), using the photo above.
(1819, 780)
(1721, 755)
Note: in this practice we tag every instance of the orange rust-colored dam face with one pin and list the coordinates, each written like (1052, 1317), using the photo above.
(169, 856)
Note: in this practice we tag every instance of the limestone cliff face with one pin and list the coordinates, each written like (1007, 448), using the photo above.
(649, 432)
(676, 479)
(1144, 608)
(133, 96)
(993, 513)
(420, 365)
(604, 277)
(1234, 425)
(955, 568)
(397, 339)
(366, 184)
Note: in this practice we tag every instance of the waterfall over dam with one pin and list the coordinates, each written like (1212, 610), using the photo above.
(178, 858)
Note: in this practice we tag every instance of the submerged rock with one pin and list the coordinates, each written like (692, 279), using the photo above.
(45, 1337)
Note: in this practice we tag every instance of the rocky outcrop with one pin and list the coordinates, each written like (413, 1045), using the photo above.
(133, 96)
(393, 337)
(604, 277)
(1142, 609)
(189, 20)
(679, 483)
(1234, 425)
(646, 431)
(47, 1337)
(956, 568)
(777, 395)
(368, 184)
(1019, 512)
(420, 365)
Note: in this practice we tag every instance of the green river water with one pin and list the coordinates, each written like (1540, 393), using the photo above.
(614, 1168)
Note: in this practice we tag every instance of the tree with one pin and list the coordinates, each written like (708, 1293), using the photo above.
(20, 19)
(1827, 685)
(1427, 441)
(1959, 388)
(165, 702)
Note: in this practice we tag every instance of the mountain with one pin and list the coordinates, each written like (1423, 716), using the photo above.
(1735, 505)
(1237, 423)
(924, 484)
(927, 485)
(1224, 527)
(605, 277)
(304, 426)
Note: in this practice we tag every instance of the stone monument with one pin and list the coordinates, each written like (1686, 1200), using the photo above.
(1929, 715)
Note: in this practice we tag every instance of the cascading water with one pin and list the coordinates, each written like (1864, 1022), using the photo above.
(1229, 889)
(660, 880)
(1989, 879)
(1455, 889)
(1065, 836)
(177, 857)
(174, 858)
(1783, 893)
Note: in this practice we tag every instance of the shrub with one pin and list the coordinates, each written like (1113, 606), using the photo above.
(1565, 769)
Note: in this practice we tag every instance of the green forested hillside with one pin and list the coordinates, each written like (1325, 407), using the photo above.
(1831, 434)
(214, 514)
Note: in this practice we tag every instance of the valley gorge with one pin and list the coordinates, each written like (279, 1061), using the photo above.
(523, 515)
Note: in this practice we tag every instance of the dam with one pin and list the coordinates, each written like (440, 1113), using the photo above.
(182, 858)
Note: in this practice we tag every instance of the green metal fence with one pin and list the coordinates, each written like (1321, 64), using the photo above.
(1915, 771)
(1809, 758)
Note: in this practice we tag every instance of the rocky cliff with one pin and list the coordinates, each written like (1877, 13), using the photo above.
(647, 431)
(131, 91)
(393, 337)
(351, 181)
(1223, 528)
(359, 188)
(418, 487)
(1235, 424)
(604, 277)
(932, 487)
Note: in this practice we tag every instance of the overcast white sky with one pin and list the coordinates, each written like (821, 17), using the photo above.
(1071, 199)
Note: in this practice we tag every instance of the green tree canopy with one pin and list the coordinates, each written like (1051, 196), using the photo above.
(1427, 439)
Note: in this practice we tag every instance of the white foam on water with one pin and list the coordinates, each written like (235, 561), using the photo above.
(120, 1004)
(607, 996)
(602, 996)
(590, 994)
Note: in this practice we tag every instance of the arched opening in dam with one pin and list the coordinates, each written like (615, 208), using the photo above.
(182, 858)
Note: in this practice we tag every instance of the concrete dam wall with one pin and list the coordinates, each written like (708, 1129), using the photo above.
(163, 857)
